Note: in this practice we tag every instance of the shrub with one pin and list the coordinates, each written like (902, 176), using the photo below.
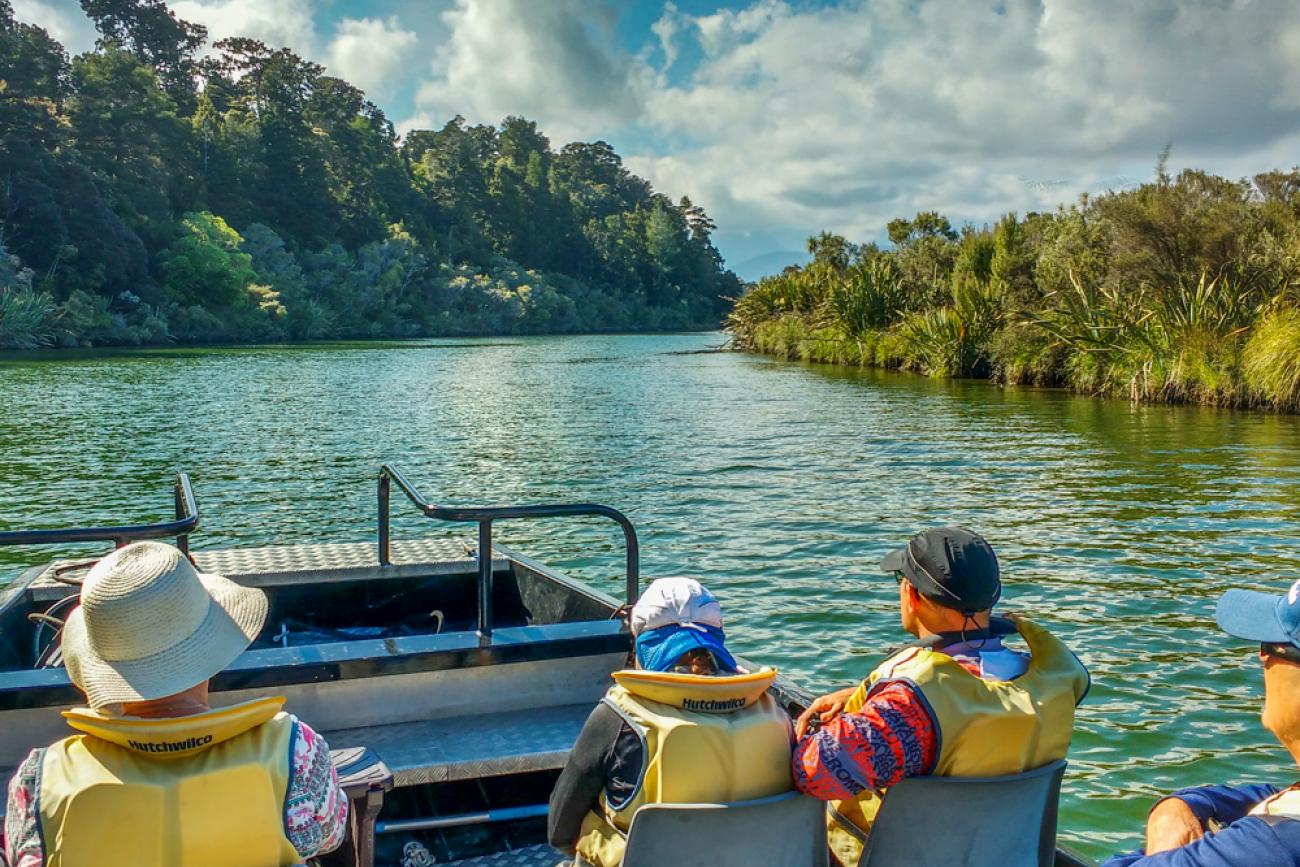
(205, 265)
(865, 297)
(1021, 353)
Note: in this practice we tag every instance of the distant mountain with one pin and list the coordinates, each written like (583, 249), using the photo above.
(768, 263)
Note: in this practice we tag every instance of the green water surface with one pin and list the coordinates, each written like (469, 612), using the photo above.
(779, 485)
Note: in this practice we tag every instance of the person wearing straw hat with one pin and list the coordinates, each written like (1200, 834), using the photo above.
(688, 711)
(154, 775)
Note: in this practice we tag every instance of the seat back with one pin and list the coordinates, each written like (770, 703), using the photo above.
(787, 830)
(968, 821)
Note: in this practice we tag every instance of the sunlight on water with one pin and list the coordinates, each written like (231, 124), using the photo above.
(780, 485)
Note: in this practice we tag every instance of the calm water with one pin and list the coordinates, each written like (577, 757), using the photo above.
(777, 484)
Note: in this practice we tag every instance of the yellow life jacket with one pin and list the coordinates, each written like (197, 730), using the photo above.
(206, 790)
(985, 727)
(704, 740)
(1285, 803)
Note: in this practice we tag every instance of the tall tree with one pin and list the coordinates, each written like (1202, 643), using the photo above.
(149, 30)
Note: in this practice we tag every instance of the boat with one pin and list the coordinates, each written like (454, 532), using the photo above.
(451, 675)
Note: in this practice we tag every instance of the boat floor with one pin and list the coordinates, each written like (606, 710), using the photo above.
(530, 856)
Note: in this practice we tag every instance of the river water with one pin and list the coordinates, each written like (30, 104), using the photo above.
(778, 484)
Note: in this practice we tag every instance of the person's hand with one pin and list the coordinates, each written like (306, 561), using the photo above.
(823, 710)
(1170, 825)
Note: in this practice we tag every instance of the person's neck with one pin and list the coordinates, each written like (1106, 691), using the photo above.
(948, 626)
(186, 703)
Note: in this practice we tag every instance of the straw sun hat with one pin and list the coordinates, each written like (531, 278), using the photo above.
(150, 625)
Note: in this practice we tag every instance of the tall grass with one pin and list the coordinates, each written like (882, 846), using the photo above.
(1271, 359)
(26, 318)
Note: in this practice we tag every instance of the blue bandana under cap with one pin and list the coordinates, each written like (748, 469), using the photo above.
(660, 649)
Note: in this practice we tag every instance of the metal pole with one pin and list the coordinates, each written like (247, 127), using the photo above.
(485, 579)
(633, 565)
(183, 540)
(385, 485)
(502, 814)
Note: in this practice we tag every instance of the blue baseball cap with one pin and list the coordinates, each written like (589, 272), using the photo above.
(1261, 617)
(661, 649)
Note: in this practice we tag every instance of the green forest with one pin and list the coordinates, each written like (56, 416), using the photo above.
(1182, 289)
(162, 189)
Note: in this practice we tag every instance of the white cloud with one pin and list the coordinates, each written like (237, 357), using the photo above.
(419, 120)
(799, 118)
(552, 62)
(665, 30)
(280, 23)
(62, 19)
(370, 52)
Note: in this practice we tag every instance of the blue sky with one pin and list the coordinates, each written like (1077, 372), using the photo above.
(786, 117)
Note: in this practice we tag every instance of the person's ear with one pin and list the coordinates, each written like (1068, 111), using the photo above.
(913, 595)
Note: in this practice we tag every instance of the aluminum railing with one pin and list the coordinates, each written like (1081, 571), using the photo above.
(186, 522)
(484, 516)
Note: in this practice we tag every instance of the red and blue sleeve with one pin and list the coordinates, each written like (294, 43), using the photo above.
(891, 737)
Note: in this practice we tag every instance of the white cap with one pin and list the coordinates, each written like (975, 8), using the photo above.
(681, 601)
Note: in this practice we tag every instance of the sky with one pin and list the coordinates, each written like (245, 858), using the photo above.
(786, 117)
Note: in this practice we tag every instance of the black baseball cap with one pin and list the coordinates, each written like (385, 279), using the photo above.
(951, 566)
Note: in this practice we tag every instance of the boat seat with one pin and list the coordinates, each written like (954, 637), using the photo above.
(786, 830)
(364, 778)
(469, 747)
(986, 821)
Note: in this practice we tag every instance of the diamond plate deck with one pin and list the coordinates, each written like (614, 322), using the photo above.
(284, 565)
(530, 856)
(286, 560)
(470, 747)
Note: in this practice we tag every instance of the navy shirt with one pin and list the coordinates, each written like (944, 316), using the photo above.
(1243, 841)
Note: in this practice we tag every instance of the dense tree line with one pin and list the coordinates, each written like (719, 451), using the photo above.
(1185, 288)
(157, 189)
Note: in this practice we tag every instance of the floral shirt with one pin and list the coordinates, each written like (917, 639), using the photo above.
(315, 808)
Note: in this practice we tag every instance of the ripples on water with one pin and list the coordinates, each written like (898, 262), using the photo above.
(779, 485)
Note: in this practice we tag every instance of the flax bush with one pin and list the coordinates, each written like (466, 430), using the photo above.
(1185, 289)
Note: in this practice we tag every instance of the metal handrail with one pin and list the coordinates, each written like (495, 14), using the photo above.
(484, 516)
(186, 522)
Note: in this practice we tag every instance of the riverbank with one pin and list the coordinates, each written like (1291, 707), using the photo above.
(1255, 370)
(1182, 290)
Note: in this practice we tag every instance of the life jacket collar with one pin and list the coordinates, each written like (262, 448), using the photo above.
(696, 692)
(1285, 804)
(174, 737)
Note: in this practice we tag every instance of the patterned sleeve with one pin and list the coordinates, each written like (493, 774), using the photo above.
(316, 810)
(22, 830)
(893, 736)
